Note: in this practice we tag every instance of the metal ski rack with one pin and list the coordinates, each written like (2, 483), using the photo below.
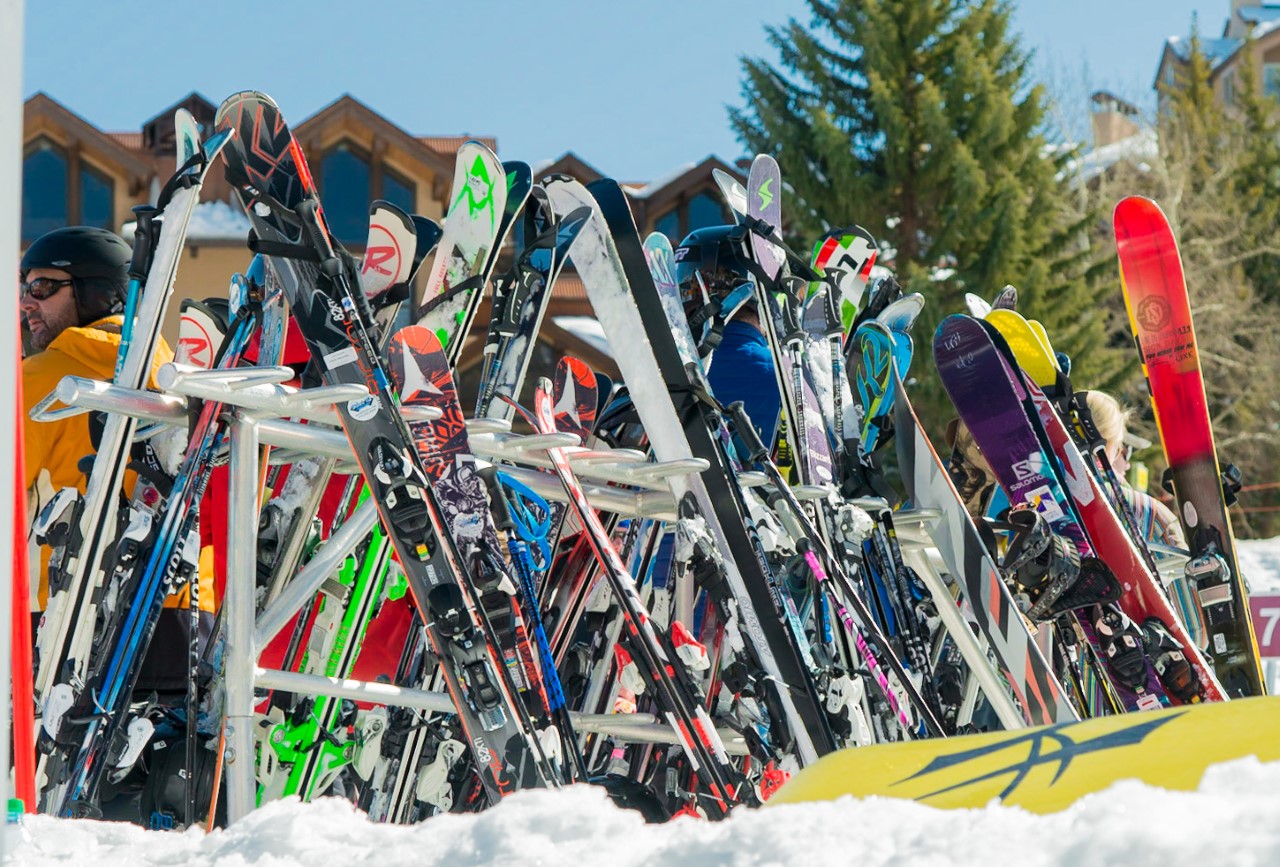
(262, 410)
(259, 409)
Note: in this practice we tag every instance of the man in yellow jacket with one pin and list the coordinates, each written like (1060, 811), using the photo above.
(72, 293)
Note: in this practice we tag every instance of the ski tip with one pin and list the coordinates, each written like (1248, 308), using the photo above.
(1135, 206)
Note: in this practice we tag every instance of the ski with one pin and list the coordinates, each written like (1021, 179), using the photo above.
(1159, 307)
(269, 173)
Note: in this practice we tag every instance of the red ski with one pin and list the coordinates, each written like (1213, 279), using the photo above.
(1155, 294)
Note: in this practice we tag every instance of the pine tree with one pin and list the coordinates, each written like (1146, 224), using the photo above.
(918, 119)
(1258, 177)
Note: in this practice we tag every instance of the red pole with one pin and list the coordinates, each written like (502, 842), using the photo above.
(24, 713)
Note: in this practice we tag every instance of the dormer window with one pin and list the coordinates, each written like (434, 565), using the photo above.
(345, 191)
(48, 202)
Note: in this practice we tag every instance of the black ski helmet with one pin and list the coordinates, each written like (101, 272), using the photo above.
(718, 255)
(96, 259)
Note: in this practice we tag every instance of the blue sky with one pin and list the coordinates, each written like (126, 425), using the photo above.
(634, 88)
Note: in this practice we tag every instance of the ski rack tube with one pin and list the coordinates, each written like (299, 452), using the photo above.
(636, 727)
(973, 650)
(601, 466)
(239, 653)
(319, 569)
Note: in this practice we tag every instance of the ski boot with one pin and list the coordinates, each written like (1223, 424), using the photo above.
(1043, 563)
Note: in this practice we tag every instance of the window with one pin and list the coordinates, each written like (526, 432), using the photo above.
(344, 179)
(1271, 80)
(669, 225)
(46, 193)
(44, 190)
(96, 206)
(705, 211)
(398, 191)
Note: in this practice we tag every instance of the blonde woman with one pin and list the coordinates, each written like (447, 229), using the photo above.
(1155, 520)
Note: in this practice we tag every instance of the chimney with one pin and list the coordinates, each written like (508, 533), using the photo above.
(1113, 118)
(1236, 28)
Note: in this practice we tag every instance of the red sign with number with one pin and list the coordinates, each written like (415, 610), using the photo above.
(1266, 624)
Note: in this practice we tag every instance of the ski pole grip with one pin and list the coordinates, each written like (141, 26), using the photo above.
(784, 507)
(308, 211)
(498, 500)
(747, 432)
(143, 241)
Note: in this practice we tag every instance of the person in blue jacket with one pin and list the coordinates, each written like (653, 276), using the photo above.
(714, 275)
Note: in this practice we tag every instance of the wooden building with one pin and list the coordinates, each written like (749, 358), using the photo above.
(77, 174)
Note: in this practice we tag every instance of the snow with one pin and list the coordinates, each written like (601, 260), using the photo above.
(1141, 149)
(1216, 51)
(210, 221)
(585, 328)
(1260, 563)
(1231, 820)
(661, 181)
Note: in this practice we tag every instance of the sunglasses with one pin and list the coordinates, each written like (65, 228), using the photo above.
(42, 288)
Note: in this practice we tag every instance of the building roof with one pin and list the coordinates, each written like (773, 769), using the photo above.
(347, 106)
(1215, 51)
(192, 99)
(569, 163)
(1105, 99)
(215, 222)
(131, 140)
(447, 145)
(1259, 14)
(133, 163)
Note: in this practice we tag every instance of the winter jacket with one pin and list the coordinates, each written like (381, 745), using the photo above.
(54, 449)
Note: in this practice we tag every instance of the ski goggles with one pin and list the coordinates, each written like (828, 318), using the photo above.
(41, 288)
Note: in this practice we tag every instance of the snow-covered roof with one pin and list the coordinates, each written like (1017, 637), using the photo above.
(210, 221)
(1259, 14)
(1216, 51)
(587, 329)
(1139, 149)
(661, 181)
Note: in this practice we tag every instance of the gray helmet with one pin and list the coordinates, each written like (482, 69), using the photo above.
(96, 259)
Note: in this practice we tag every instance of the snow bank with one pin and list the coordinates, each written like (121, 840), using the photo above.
(1260, 564)
(1230, 820)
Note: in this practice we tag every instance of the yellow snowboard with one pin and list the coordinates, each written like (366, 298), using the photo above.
(1046, 769)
